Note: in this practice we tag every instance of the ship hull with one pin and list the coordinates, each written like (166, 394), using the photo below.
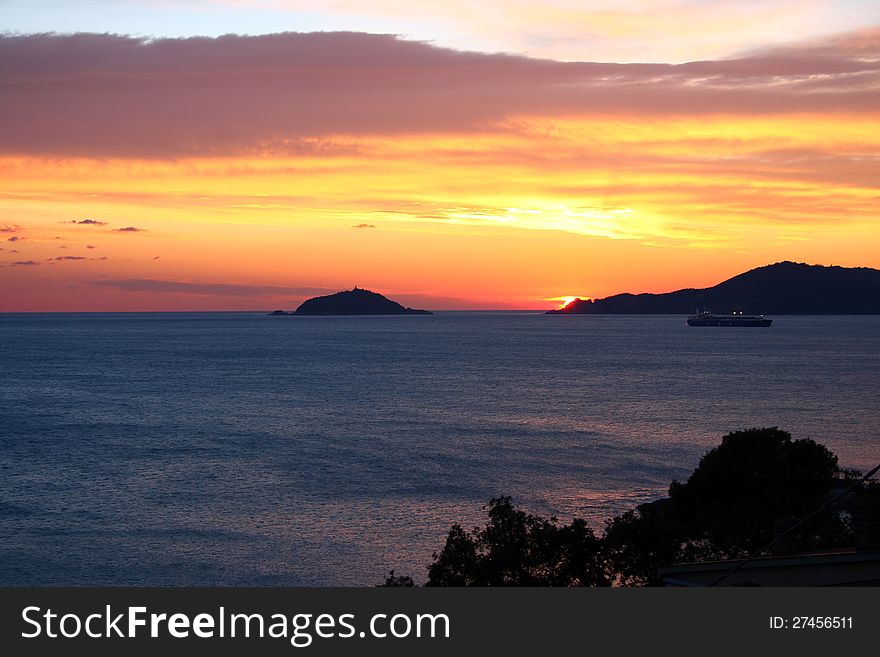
(725, 321)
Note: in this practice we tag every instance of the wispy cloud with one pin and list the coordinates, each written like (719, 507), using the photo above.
(129, 229)
(86, 222)
(218, 289)
(23, 263)
(363, 226)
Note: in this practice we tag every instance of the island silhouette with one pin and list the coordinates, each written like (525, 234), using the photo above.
(784, 288)
(356, 301)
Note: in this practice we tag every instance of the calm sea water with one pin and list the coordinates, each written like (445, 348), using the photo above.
(244, 449)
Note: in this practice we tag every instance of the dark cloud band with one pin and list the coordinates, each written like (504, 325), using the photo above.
(106, 95)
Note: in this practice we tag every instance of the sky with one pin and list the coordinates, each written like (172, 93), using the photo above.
(235, 155)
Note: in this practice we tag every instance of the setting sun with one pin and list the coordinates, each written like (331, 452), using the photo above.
(564, 301)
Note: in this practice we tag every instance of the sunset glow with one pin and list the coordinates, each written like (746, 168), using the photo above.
(564, 301)
(253, 172)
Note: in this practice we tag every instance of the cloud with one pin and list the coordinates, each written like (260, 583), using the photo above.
(574, 30)
(62, 258)
(15, 238)
(408, 298)
(86, 222)
(105, 95)
(129, 229)
(21, 263)
(647, 30)
(438, 302)
(218, 289)
(90, 246)
(364, 226)
(9, 228)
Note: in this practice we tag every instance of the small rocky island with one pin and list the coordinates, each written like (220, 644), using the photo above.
(352, 302)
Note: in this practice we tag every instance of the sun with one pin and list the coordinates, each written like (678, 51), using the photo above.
(564, 301)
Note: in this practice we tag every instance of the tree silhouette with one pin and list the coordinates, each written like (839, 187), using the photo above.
(755, 482)
(397, 581)
(519, 549)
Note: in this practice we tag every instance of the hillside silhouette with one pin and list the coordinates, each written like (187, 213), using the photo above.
(352, 302)
(784, 288)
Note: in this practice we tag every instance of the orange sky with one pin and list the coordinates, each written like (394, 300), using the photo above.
(262, 171)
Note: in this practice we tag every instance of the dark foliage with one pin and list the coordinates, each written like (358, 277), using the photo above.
(519, 549)
(395, 581)
(756, 482)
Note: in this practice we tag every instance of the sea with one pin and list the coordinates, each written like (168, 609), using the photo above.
(243, 449)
